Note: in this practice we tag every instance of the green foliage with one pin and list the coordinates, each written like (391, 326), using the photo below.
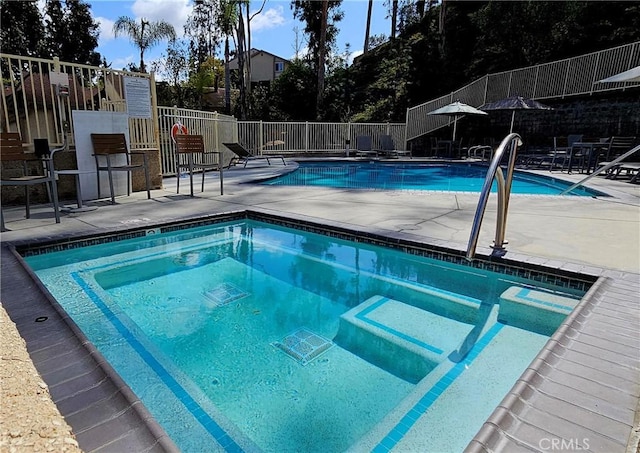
(202, 29)
(294, 93)
(22, 31)
(425, 62)
(310, 12)
(79, 35)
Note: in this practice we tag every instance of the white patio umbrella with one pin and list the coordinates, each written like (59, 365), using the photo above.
(632, 75)
(457, 110)
(514, 103)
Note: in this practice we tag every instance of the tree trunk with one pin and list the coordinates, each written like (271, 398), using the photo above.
(420, 8)
(368, 29)
(241, 69)
(322, 51)
(394, 18)
(227, 78)
(248, 72)
(441, 26)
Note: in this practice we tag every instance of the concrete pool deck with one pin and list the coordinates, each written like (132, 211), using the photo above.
(595, 236)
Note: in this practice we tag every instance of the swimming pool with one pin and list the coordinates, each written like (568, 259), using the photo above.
(319, 386)
(451, 177)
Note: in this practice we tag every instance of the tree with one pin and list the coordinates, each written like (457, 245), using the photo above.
(201, 28)
(394, 18)
(322, 58)
(22, 31)
(175, 68)
(71, 32)
(310, 12)
(144, 35)
(322, 31)
(226, 21)
(293, 92)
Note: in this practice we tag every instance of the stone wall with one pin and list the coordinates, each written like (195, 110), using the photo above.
(596, 116)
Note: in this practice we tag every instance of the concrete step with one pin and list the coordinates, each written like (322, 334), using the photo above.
(537, 311)
(402, 339)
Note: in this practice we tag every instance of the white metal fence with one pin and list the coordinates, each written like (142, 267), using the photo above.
(558, 79)
(304, 137)
(31, 105)
(214, 127)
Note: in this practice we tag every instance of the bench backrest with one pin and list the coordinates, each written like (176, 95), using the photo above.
(109, 144)
(11, 147)
(189, 143)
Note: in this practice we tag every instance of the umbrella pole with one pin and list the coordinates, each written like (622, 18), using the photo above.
(455, 123)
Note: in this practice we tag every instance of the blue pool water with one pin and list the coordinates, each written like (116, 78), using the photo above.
(248, 336)
(451, 177)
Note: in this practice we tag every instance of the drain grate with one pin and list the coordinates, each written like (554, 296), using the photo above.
(303, 345)
(224, 294)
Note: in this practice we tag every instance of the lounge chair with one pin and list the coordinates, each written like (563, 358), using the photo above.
(191, 155)
(243, 155)
(629, 167)
(364, 147)
(22, 174)
(617, 146)
(388, 148)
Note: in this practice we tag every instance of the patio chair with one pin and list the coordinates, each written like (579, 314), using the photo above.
(562, 149)
(191, 155)
(364, 146)
(39, 172)
(441, 148)
(388, 147)
(244, 155)
(617, 147)
(112, 155)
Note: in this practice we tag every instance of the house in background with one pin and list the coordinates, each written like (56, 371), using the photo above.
(265, 66)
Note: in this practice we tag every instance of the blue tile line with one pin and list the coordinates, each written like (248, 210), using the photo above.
(192, 405)
(524, 294)
(362, 315)
(409, 419)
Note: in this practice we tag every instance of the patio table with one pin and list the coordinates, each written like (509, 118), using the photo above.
(589, 153)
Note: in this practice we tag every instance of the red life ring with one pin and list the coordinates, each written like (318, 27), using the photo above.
(176, 129)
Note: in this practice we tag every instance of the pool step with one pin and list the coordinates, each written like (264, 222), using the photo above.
(445, 303)
(533, 310)
(404, 340)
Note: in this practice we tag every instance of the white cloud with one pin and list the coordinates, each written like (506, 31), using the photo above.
(271, 18)
(106, 28)
(123, 62)
(353, 55)
(174, 12)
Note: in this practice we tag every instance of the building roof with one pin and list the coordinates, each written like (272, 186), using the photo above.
(257, 51)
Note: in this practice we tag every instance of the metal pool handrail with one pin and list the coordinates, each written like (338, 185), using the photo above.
(511, 141)
(600, 170)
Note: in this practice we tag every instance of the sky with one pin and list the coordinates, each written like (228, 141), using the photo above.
(271, 31)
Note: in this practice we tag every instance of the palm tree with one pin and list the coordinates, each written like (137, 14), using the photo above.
(145, 34)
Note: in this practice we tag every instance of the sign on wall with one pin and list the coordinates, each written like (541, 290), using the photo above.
(137, 93)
